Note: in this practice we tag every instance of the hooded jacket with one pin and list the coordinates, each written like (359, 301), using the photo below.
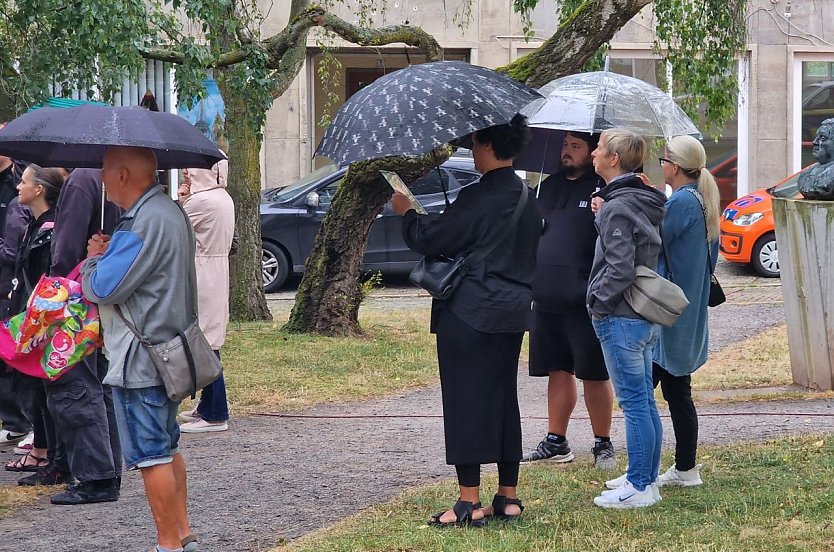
(628, 227)
(212, 214)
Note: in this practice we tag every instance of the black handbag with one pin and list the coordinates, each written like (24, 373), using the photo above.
(716, 294)
(441, 276)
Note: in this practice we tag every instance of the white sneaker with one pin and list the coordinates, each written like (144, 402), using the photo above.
(627, 497)
(616, 483)
(202, 426)
(8, 438)
(26, 445)
(656, 492)
(688, 478)
(190, 416)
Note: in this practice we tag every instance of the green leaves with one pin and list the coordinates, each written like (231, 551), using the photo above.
(702, 40)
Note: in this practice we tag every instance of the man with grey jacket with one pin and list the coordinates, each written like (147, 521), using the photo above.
(146, 270)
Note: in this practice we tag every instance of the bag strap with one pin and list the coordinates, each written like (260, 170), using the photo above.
(700, 199)
(671, 276)
(480, 253)
(142, 339)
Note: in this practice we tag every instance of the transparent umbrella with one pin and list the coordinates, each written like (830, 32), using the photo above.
(597, 101)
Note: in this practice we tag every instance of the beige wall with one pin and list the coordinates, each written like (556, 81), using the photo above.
(493, 38)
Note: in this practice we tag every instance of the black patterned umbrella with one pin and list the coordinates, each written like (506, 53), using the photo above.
(413, 110)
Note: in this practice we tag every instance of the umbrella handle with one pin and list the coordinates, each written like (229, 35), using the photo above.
(103, 199)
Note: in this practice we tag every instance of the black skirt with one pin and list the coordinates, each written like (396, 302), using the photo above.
(478, 380)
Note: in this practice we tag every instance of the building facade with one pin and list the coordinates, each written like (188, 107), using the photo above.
(786, 80)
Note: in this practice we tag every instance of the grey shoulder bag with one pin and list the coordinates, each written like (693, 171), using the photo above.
(186, 363)
(654, 297)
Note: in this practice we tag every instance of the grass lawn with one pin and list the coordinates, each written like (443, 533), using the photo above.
(778, 496)
(759, 361)
(267, 370)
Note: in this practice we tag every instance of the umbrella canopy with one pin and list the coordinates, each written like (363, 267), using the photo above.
(77, 137)
(599, 100)
(413, 110)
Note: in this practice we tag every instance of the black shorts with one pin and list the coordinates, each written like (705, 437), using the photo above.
(566, 341)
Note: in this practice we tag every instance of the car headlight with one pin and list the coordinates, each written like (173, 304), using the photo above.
(747, 220)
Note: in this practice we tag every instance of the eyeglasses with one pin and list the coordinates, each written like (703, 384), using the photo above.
(663, 161)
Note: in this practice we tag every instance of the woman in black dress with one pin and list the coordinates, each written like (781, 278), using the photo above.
(480, 328)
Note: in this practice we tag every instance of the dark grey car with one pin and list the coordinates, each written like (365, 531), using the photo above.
(291, 217)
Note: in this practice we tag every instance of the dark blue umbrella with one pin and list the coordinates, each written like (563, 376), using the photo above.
(413, 110)
(77, 137)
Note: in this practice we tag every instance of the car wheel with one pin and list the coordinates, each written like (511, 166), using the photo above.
(765, 259)
(275, 266)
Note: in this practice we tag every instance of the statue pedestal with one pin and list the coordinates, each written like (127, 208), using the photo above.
(804, 230)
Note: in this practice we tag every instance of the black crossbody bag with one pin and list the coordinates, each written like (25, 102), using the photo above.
(441, 276)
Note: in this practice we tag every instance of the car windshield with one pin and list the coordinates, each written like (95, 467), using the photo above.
(789, 187)
(288, 193)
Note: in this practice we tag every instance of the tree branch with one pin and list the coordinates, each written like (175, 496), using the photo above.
(406, 34)
(577, 39)
(294, 36)
(171, 55)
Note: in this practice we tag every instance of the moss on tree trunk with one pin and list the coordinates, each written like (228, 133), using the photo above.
(247, 300)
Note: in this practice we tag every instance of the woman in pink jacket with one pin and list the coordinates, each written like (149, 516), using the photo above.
(212, 213)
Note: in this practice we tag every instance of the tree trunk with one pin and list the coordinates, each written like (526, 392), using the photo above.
(328, 298)
(330, 292)
(592, 24)
(247, 300)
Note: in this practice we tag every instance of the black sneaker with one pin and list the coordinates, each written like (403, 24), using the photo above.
(604, 456)
(47, 476)
(548, 450)
(87, 493)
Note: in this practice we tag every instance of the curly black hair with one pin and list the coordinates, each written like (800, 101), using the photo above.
(508, 140)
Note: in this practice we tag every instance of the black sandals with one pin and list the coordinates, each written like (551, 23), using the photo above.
(463, 516)
(499, 506)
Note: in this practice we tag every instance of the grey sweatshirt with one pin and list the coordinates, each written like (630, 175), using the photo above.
(628, 231)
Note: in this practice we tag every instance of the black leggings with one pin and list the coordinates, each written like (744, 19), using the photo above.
(677, 390)
(469, 475)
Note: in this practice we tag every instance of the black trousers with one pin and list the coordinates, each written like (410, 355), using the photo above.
(677, 391)
(82, 409)
(478, 382)
(17, 400)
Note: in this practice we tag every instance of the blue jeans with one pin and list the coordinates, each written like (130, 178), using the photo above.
(627, 347)
(212, 406)
(148, 428)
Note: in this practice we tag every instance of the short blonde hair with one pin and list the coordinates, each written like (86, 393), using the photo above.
(628, 145)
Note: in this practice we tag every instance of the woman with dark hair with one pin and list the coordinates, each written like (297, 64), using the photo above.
(480, 328)
(38, 190)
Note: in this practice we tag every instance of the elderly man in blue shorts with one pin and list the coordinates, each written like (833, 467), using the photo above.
(146, 269)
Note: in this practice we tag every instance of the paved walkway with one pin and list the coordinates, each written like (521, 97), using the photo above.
(274, 478)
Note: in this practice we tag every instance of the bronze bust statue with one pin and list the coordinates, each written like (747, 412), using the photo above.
(818, 181)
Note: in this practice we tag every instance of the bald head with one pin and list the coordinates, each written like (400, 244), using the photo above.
(127, 173)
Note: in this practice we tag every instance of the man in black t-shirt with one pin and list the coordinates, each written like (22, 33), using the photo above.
(563, 344)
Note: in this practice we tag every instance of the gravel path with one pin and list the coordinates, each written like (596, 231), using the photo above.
(274, 478)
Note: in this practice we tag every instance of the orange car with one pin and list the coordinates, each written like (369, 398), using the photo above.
(747, 234)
